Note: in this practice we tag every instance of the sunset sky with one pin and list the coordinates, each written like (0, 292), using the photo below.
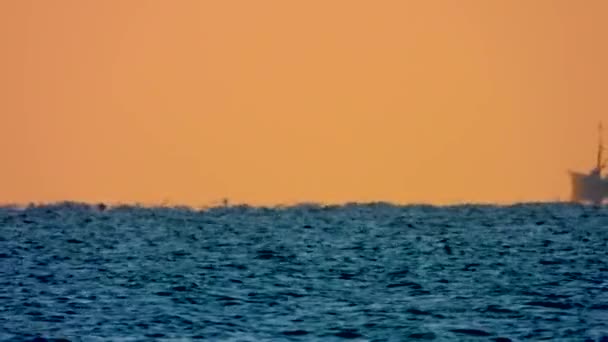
(273, 102)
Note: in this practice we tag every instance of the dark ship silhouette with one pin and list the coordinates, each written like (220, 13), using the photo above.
(591, 187)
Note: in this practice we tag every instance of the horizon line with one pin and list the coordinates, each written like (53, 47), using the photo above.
(227, 204)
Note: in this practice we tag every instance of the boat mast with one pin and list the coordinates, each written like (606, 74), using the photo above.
(600, 148)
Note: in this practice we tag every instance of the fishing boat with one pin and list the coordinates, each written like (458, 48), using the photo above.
(593, 186)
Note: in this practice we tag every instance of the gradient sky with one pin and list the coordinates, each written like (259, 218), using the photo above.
(267, 102)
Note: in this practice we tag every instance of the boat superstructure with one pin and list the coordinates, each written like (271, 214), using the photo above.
(593, 186)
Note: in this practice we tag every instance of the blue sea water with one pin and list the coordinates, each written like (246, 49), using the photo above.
(368, 272)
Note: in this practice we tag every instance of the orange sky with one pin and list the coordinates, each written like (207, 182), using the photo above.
(270, 102)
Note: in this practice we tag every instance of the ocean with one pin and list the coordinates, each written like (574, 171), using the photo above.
(363, 272)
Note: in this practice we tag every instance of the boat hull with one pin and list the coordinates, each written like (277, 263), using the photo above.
(588, 188)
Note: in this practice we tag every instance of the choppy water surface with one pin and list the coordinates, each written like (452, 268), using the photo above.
(367, 272)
